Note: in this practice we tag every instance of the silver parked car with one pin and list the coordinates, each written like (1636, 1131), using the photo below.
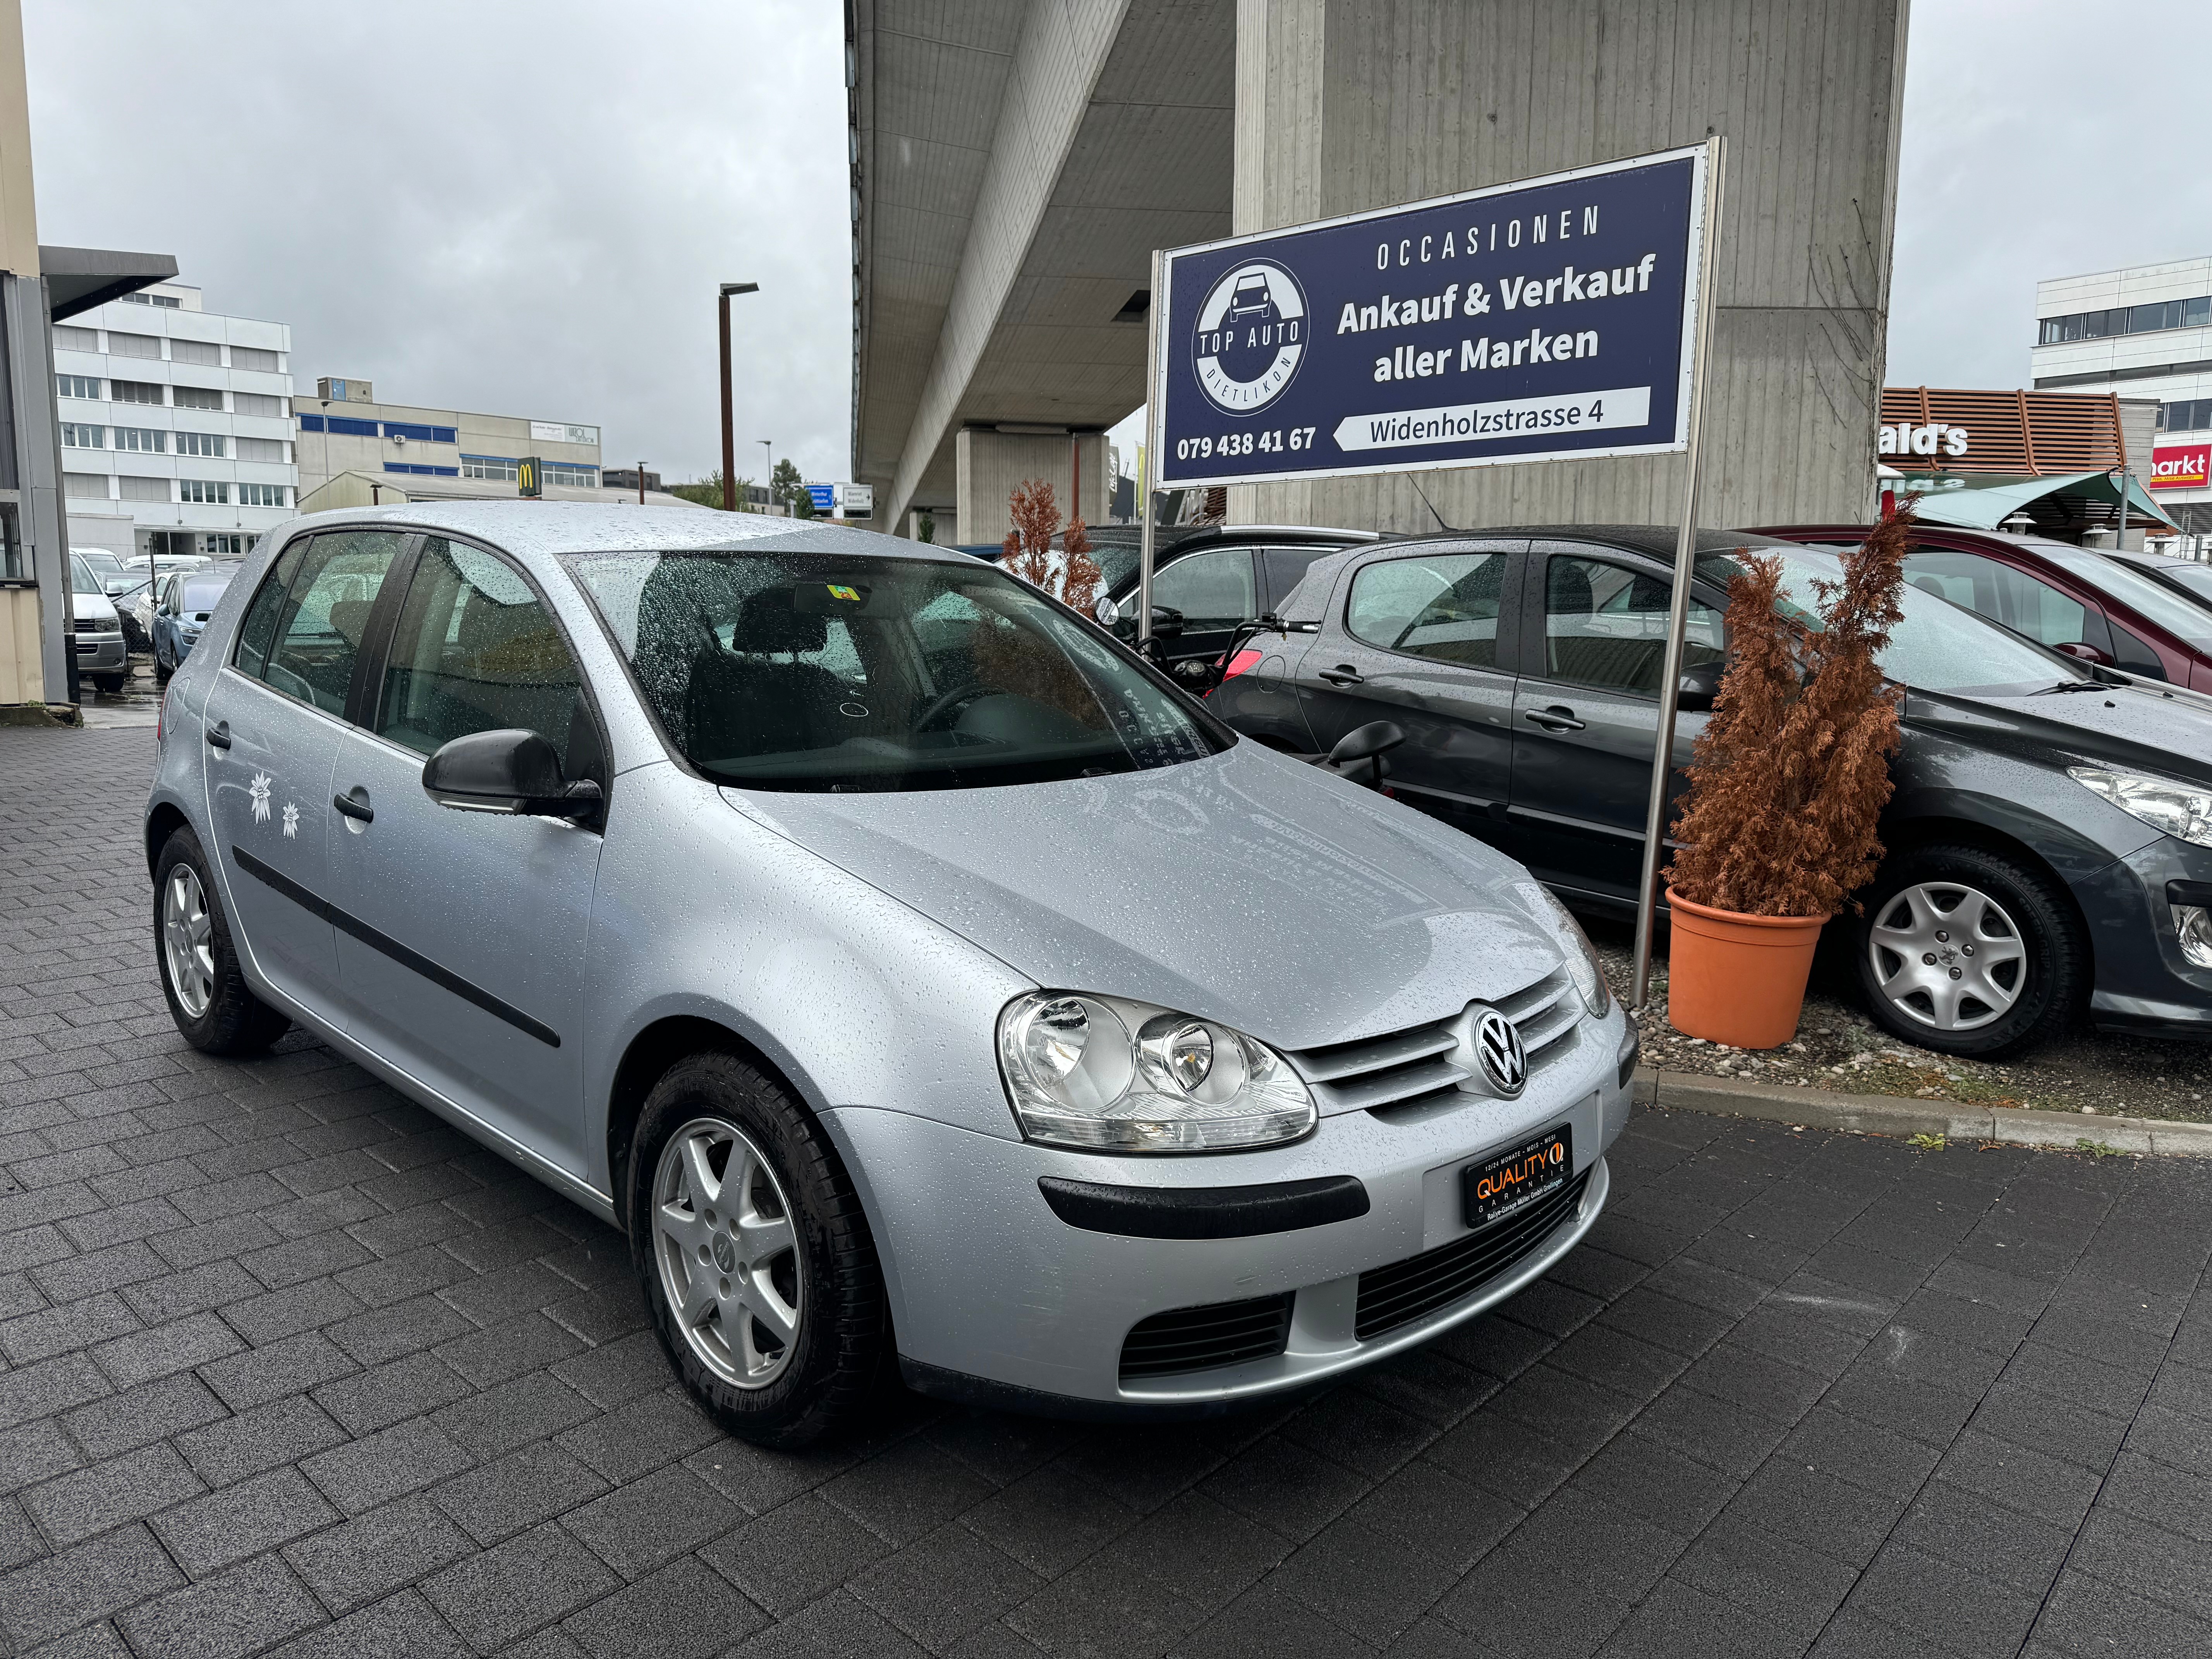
(907, 967)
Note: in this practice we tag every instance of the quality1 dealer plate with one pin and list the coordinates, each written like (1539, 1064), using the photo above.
(1510, 1182)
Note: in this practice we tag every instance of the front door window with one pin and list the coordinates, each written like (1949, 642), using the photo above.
(2002, 593)
(1605, 627)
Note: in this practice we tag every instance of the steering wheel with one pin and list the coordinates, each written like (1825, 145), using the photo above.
(949, 700)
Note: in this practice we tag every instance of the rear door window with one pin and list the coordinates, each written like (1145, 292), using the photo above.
(303, 632)
(1443, 606)
(1213, 590)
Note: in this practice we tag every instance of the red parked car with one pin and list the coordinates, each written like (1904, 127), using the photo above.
(2082, 603)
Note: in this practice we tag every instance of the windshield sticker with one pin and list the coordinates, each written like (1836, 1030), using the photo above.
(853, 594)
(260, 791)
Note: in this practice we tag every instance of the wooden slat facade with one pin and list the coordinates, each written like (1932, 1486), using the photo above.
(2035, 433)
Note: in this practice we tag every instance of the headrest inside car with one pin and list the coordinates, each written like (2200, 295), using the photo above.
(766, 621)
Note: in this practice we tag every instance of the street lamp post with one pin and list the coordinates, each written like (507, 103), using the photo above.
(769, 461)
(729, 437)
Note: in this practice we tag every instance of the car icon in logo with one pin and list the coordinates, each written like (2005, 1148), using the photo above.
(1251, 336)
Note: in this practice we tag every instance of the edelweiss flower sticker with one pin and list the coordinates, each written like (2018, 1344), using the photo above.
(291, 821)
(260, 791)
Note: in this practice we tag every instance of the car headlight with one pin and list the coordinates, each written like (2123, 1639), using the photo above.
(2178, 809)
(1107, 1074)
(1582, 965)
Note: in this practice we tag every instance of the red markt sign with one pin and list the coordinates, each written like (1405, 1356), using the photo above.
(2181, 466)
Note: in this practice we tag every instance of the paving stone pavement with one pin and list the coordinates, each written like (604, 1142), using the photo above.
(287, 1365)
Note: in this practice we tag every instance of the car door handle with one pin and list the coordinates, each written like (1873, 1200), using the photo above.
(218, 735)
(355, 805)
(1344, 674)
(1555, 719)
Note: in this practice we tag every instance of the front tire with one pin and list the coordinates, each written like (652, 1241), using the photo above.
(110, 684)
(754, 1252)
(1968, 952)
(207, 992)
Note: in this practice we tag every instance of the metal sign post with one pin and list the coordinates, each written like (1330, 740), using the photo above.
(1155, 415)
(1678, 614)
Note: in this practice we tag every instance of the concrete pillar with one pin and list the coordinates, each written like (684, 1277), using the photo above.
(1348, 105)
(993, 464)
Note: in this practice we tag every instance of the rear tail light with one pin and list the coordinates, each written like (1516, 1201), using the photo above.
(1242, 663)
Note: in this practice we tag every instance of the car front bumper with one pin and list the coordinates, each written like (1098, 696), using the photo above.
(2143, 983)
(997, 1300)
(101, 654)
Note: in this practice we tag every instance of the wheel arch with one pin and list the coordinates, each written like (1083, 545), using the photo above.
(1915, 833)
(163, 822)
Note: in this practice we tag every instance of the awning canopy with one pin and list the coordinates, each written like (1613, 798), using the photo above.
(79, 278)
(2068, 504)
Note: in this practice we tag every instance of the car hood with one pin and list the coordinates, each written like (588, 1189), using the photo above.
(2147, 726)
(94, 610)
(1246, 888)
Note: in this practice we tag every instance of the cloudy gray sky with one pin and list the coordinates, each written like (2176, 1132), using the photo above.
(525, 210)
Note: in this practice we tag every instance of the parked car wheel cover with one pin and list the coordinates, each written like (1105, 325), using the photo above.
(727, 1253)
(188, 941)
(1948, 957)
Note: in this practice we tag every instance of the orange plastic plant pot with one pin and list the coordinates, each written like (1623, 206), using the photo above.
(1735, 979)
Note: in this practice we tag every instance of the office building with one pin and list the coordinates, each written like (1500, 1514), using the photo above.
(342, 428)
(175, 422)
(2143, 332)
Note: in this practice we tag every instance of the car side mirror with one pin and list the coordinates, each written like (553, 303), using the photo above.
(509, 770)
(1106, 611)
(1699, 684)
(1358, 753)
(2085, 652)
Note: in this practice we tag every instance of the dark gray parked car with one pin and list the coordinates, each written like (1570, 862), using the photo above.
(2050, 843)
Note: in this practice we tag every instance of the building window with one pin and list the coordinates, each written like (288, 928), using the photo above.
(77, 436)
(261, 449)
(2190, 415)
(85, 486)
(258, 403)
(143, 490)
(79, 386)
(254, 495)
(76, 339)
(148, 439)
(198, 397)
(134, 392)
(166, 301)
(311, 423)
(236, 547)
(200, 443)
(120, 344)
(2151, 318)
(253, 357)
(204, 491)
(490, 466)
(416, 469)
(206, 353)
(348, 427)
(572, 472)
(426, 434)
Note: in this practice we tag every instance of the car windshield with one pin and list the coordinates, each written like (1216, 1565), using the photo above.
(2187, 574)
(2182, 618)
(103, 564)
(1936, 646)
(826, 672)
(203, 587)
(81, 579)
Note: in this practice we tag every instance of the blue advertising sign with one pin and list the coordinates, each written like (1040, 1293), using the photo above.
(1553, 318)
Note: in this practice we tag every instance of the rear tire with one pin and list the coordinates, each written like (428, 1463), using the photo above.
(767, 1296)
(197, 959)
(1968, 952)
(112, 684)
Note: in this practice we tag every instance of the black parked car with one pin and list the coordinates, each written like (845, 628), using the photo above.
(2049, 841)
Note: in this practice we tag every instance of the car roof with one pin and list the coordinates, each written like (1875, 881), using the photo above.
(537, 528)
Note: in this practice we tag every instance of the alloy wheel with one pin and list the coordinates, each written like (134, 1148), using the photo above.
(727, 1253)
(1948, 957)
(188, 941)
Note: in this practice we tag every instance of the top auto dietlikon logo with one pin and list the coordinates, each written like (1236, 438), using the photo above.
(1251, 336)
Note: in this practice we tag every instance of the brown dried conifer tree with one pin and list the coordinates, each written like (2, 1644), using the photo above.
(1792, 770)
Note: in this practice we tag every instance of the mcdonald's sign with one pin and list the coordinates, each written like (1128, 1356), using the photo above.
(525, 476)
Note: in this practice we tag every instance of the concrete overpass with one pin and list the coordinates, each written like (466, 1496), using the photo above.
(1016, 161)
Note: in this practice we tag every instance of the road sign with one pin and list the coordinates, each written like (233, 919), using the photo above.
(1552, 318)
(526, 476)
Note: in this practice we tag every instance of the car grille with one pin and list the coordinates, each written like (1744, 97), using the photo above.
(1406, 1291)
(1402, 1067)
(1200, 1338)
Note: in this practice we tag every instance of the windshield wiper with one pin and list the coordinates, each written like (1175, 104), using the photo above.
(2065, 686)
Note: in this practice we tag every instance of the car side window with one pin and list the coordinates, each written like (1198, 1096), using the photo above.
(1285, 569)
(1605, 626)
(2002, 593)
(1441, 605)
(477, 651)
(1213, 589)
(303, 632)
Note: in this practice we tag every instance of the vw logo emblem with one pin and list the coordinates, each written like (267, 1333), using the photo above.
(1251, 336)
(1498, 1050)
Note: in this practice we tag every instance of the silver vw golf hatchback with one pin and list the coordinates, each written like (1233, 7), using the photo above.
(906, 968)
